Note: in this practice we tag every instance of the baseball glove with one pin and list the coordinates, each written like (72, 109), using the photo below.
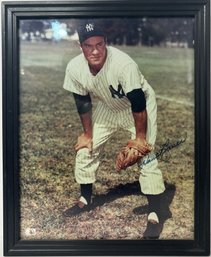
(132, 153)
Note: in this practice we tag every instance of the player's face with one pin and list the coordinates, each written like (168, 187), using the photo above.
(94, 49)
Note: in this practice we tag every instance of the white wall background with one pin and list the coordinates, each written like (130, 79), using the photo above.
(1, 180)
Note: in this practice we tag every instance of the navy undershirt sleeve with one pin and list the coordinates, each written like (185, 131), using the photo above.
(137, 100)
(83, 103)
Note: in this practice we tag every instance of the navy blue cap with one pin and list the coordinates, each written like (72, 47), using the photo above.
(89, 29)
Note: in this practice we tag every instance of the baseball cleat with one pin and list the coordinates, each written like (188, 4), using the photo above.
(79, 207)
(152, 231)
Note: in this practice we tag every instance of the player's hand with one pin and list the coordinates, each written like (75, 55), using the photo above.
(84, 141)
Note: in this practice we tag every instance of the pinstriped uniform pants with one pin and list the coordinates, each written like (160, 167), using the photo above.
(107, 122)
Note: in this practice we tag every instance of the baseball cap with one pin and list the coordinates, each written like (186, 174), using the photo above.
(89, 29)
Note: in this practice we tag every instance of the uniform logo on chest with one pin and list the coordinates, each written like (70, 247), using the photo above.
(119, 93)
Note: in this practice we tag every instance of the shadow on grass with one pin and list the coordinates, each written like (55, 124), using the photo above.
(117, 192)
(134, 189)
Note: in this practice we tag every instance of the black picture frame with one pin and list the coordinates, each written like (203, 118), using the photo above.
(12, 12)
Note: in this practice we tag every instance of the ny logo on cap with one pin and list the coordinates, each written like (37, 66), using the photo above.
(89, 27)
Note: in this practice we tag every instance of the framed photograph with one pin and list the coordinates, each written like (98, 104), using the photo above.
(106, 114)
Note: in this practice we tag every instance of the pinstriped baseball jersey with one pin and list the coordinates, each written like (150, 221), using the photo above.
(119, 75)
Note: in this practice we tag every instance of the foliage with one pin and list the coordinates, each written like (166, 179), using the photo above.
(128, 31)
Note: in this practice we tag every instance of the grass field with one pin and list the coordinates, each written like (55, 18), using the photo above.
(49, 126)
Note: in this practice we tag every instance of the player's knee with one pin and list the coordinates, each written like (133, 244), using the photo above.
(82, 153)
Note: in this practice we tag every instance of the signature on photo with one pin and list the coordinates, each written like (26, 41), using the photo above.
(164, 152)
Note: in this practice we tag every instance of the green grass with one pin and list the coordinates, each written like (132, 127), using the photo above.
(49, 126)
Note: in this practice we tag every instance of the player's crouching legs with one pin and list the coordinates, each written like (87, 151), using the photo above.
(86, 165)
(151, 178)
(85, 170)
(152, 185)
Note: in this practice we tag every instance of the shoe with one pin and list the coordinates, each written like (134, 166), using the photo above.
(79, 207)
(154, 227)
(152, 231)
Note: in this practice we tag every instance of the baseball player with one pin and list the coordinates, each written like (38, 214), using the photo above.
(125, 100)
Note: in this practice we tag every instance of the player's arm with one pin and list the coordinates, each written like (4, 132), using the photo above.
(138, 147)
(84, 107)
(138, 106)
